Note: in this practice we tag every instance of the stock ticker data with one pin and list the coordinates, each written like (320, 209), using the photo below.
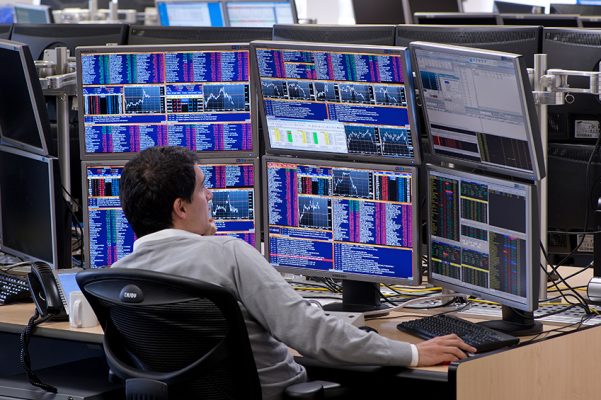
(344, 102)
(198, 99)
(480, 233)
(110, 236)
(346, 219)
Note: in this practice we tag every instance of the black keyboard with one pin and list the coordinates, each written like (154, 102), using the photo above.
(13, 289)
(478, 336)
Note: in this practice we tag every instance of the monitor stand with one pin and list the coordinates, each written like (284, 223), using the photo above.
(359, 297)
(515, 322)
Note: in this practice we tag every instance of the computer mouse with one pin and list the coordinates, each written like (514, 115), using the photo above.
(368, 329)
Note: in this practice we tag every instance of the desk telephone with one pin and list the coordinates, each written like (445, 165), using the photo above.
(47, 295)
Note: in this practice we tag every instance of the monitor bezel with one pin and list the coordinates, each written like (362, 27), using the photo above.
(41, 7)
(416, 239)
(531, 121)
(221, 8)
(36, 98)
(291, 3)
(529, 302)
(403, 52)
(120, 163)
(166, 48)
(51, 164)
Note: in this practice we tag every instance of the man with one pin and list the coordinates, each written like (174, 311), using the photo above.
(165, 201)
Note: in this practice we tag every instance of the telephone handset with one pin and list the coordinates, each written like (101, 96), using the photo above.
(46, 293)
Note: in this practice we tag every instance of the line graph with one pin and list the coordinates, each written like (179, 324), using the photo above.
(232, 204)
(352, 183)
(390, 95)
(226, 97)
(299, 90)
(355, 93)
(314, 212)
(144, 99)
(396, 142)
(325, 91)
(275, 89)
(361, 139)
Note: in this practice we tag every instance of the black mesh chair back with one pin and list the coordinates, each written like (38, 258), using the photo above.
(181, 333)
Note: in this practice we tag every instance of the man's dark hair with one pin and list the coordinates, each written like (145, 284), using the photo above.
(151, 182)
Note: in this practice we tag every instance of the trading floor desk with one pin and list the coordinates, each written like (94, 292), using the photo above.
(564, 366)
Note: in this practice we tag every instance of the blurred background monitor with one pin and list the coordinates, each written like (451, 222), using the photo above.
(7, 14)
(23, 115)
(411, 7)
(5, 31)
(580, 9)
(545, 20)
(146, 34)
(517, 8)
(590, 22)
(34, 221)
(32, 14)
(456, 18)
(62, 4)
(260, 13)
(191, 13)
(386, 12)
(360, 34)
(40, 37)
(138, 5)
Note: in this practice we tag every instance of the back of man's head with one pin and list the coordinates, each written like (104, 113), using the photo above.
(151, 182)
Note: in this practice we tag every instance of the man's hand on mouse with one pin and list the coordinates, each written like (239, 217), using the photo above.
(442, 349)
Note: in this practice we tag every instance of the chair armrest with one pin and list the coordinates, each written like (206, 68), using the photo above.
(314, 390)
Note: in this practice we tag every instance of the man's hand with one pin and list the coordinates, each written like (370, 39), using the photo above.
(212, 228)
(442, 349)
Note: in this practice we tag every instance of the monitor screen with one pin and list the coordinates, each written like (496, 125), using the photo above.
(360, 34)
(109, 236)
(190, 13)
(32, 14)
(148, 34)
(337, 101)
(33, 222)
(456, 18)
(40, 37)
(484, 238)
(540, 19)
(260, 13)
(7, 15)
(479, 109)
(343, 220)
(23, 115)
(385, 12)
(194, 96)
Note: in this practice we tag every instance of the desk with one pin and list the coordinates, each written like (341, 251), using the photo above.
(565, 366)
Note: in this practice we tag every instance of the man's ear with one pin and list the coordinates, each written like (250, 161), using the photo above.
(179, 208)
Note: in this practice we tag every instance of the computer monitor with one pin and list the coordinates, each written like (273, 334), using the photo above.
(5, 31)
(580, 9)
(147, 34)
(351, 221)
(545, 20)
(139, 5)
(517, 8)
(382, 35)
(109, 237)
(382, 12)
(347, 102)
(7, 15)
(40, 37)
(589, 22)
(430, 6)
(194, 96)
(32, 14)
(260, 13)
(479, 109)
(34, 221)
(191, 13)
(23, 116)
(470, 18)
(484, 240)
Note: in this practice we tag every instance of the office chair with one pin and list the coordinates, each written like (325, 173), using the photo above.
(171, 337)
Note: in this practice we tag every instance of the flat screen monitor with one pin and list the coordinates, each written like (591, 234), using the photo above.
(540, 19)
(349, 221)
(109, 237)
(579, 9)
(382, 35)
(517, 8)
(32, 14)
(139, 5)
(5, 31)
(34, 223)
(346, 102)
(382, 12)
(40, 37)
(194, 96)
(470, 18)
(484, 239)
(147, 34)
(430, 6)
(23, 116)
(62, 4)
(190, 13)
(260, 13)
(590, 22)
(7, 15)
(479, 109)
